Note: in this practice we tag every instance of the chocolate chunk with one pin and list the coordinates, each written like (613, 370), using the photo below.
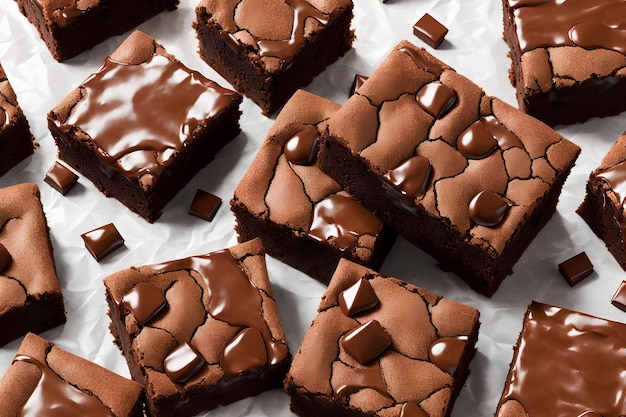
(5, 257)
(476, 142)
(411, 178)
(359, 297)
(145, 301)
(446, 353)
(488, 208)
(102, 241)
(370, 377)
(576, 269)
(412, 410)
(301, 149)
(436, 99)
(357, 83)
(205, 205)
(61, 178)
(246, 351)
(366, 342)
(619, 298)
(183, 363)
(430, 30)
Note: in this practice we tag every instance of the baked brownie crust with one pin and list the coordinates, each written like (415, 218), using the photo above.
(423, 174)
(603, 207)
(206, 302)
(568, 59)
(108, 144)
(277, 198)
(30, 295)
(69, 27)
(16, 141)
(82, 385)
(269, 59)
(329, 376)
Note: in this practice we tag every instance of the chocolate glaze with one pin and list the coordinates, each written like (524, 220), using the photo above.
(102, 241)
(412, 410)
(68, 15)
(145, 301)
(53, 397)
(137, 136)
(183, 363)
(370, 377)
(568, 363)
(246, 351)
(615, 177)
(232, 297)
(5, 257)
(411, 178)
(366, 342)
(446, 353)
(436, 99)
(421, 63)
(301, 149)
(358, 298)
(585, 23)
(488, 208)
(477, 141)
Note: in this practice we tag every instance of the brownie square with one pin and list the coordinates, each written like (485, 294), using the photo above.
(30, 295)
(199, 332)
(269, 49)
(383, 347)
(70, 27)
(603, 207)
(565, 363)
(162, 123)
(46, 380)
(16, 141)
(304, 217)
(462, 175)
(568, 57)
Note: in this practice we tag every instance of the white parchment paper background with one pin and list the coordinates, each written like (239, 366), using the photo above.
(474, 47)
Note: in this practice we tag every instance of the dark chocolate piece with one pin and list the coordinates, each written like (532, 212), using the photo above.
(576, 268)
(268, 50)
(219, 339)
(301, 149)
(619, 298)
(145, 147)
(145, 301)
(102, 241)
(430, 30)
(61, 178)
(358, 298)
(400, 358)
(419, 167)
(565, 363)
(205, 205)
(357, 83)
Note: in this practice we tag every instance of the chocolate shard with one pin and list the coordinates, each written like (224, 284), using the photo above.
(366, 342)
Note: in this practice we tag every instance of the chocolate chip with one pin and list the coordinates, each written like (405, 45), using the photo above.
(61, 178)
(477, 141)
(430, 30)
(5, 257)
(411, 178)
(205, 205)
(488, 208)
(366, 342)
(619, 298)
(144, 300)
(576, 268)
(301, 149)
(446, 353)
(246, 351)
(436, 99)
(102, 241)
(359, 297)
(183, 363)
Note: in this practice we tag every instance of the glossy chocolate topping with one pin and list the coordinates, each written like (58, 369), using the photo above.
(477, 141)
(138, 135)
(60, 178)
(5, 257)
(68, 14)
(370, 377)
(145, 301)
(102, 241)
(53, 397)
(301, 149)
(411, 178)
(366, 342)
(358, 298)
(446, 353)
(585, 23)
(412, 410)
(422, 63)
(246, 351)
(615, 176)
(183, 363)
(232, 297)
(436, 99)
(342, 220)
(567, 364)
(488, 208)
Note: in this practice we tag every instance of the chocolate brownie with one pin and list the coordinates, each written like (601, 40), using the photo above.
(267, 49)
(30, 295)
(462, 175)
(45, 380)
(69, 27)
(16, 141)
(603, 207)
(199, 332)
(380, 346)
(569, 57)
(565, 363)
(303, 216)
(162, 123)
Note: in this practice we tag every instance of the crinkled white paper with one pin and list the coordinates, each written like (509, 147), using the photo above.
(473, 46)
